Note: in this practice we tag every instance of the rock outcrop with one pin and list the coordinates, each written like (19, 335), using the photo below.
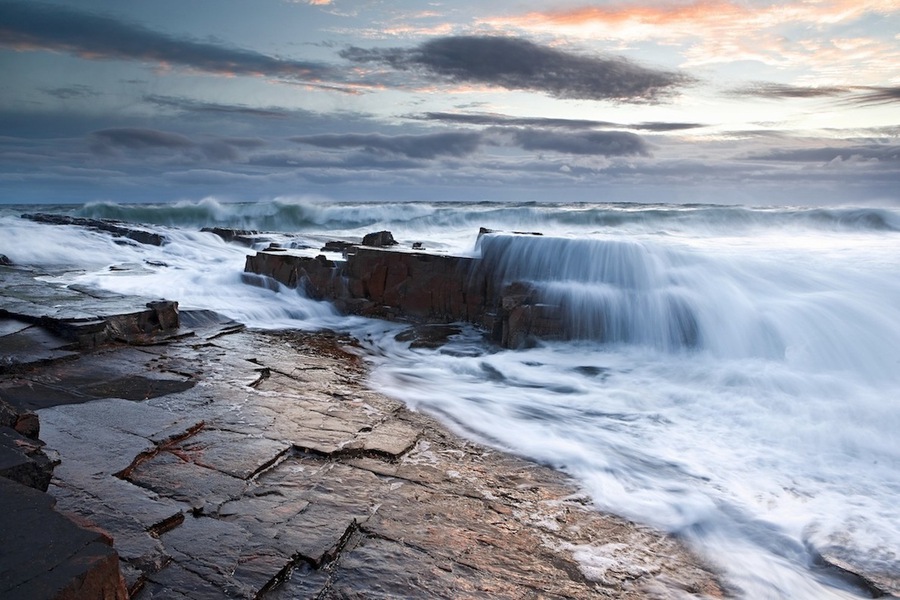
(72, 314)
(222, 462)
(419, 287)
(379, 239)
(119, 229)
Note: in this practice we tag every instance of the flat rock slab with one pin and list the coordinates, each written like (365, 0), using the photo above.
(278, 474)
(22, 344)
(64, 561)
(234, 454)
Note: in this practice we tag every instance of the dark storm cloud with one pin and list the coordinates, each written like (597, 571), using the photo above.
(37, 26)
(429, 145)
(779, 91)
(496, 120)
(593, 143)
(188, 105)
(518, 64)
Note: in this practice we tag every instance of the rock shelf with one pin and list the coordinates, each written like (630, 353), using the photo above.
(420, 287)
(225, 463)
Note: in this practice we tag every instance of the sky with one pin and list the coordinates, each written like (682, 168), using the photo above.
(711, 101)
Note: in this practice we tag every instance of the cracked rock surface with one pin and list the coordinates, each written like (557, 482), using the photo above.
(246, 464)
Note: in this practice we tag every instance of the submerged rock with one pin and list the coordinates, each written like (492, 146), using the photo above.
(118, 228)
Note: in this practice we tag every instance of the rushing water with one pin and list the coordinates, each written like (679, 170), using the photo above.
(733, 374)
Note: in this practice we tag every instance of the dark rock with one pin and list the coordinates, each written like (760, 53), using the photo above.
(118, 228)
(338, 246)
(24, 422)
(4, 261)
(23, 460)
(428, 336)
(379, 239)
(62, 561)
(245, 237)
(418, 246)
(165, 315)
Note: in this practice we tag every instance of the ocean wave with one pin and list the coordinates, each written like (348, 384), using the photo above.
(306, 214)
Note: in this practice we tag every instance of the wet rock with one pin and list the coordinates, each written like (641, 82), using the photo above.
(47, 556)
(281, 475)
(525, 319)
(878, 572)
(418, 287)
(118, 228)
(4, 261)
(428, 336)
(338, 246)
(77, 314)
(24, 422)
(245, 237)
(379, 239)
(23, 460)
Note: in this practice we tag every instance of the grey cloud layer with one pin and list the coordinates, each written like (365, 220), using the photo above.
(592, 143)
(32, 25)
(496, 120)
(433, 145)
(518, 64)
(188, 105)
(858, 95)
(114, 141)
(412, 146)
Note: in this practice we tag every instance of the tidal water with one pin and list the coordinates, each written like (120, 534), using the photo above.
(733, 377)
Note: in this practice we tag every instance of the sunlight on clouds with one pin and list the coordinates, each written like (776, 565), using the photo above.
(717, 31)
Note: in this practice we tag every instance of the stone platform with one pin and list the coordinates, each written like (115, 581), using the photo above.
(225, 463)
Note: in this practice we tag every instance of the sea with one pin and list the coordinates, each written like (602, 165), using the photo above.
(733, 375)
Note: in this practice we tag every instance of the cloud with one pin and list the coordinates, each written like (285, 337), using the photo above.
(38, 26)
(497, 120)
(71, 91)
(779, 91)
(518, 64)
(189, 105)
(888, 153)
(115, 141)
(878, 95)
(853, 95)
(412, 146)
(136, 138)
(700, 18)
(593, 143)
(782, 34)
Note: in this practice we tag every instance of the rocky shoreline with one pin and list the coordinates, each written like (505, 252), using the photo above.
(218, 462)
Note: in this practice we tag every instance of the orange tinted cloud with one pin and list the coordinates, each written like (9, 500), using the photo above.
(632, 22)
(720, 31)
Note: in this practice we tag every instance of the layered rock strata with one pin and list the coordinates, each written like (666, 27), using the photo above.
(222, 463)
(419, 287)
